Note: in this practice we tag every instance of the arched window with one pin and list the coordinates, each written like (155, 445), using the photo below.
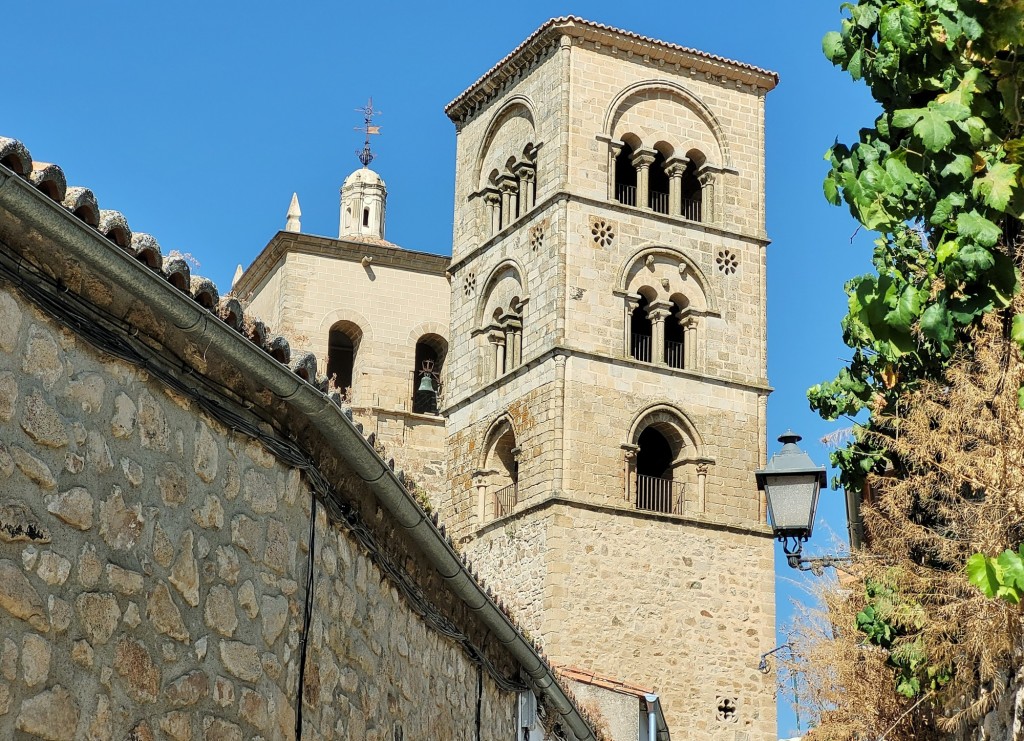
(427, 373)
(625, 175)
(655, 488)
(342, 344)
(641, 331)
(366, 217)
(675, 349)
(691, 190)
(502, 469)
(663, 460)
(501, 322)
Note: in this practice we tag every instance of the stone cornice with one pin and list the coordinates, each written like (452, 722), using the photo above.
(657, 54)
(346, 250)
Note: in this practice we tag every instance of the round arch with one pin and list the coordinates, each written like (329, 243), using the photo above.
(617, 107)
(494, 432)
(641, 254)
(347, 315)
(492, 277)
(674, 425)
(517, 101)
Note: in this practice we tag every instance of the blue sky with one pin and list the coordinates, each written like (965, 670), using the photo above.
(199, 120)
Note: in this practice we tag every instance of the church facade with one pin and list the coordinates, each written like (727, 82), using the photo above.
(580, 389)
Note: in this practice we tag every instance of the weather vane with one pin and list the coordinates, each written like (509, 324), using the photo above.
(365, 155)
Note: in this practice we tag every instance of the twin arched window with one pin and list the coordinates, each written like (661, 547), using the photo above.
(511, 192)
(660, 331)
(655, 178)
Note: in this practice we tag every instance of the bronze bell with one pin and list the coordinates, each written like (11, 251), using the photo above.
(427, 384)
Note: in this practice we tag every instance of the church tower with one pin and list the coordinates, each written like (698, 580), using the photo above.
(606, 378)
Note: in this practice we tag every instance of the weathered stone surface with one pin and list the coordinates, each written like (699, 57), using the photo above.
(188, 689)
(132, 618)
(153, 430)
(124, 581)
(172, 484)
(6, 461)
(220, 612)
(177, 725)
(87, 389)
(125, 415)
(100, 727)
(247, 534)
(163, 549)
(9, 660)
(29, 557)
(89, 567)
(97, 453)
(185, 571)
(211, 515)
(53, 568)
(82, 654)
(164, 614)
(241, 660)
(259, 492)
(141, 732)
(36, 470)
(51, 715)
(120, 525)
(228, 566)
(5, 698)
(60, 613)
(35, 659)
(207, 455)
(74, 507)
(99, 614)
(223, 692)
(74, 463)
(253, 709)
(279, 550)
(274, 613)
(133, 472)
(10, 322)
(216, 729)
(201, 648)
(42, 357)
(141, 676)
(19, 524)
(8, 396)
(19, 598)
(232, 481)
(42, 423)
(247, 599)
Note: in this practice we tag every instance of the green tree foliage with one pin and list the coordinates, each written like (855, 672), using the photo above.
(939, 177)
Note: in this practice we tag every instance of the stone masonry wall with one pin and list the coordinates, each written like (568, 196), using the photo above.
(152, 576)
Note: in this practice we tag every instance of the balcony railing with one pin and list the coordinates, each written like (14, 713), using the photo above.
(659, 202)
(656, 494)
(691, 209)
(641, 349)
(674, 354)
(625, 194)
(505, 500)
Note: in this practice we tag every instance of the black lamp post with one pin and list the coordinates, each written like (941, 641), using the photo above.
(791, 483)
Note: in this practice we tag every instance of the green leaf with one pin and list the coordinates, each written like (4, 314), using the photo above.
(1017, 330)
(975, 226)
(854, 65)
(998, 185)
(1020, 398)
(935, 325)
(934, 130)
(1012, 570)
(908, 308)
(904, 118)
(832, 45)
(900, 24)
(961, 165)
(981, 573)
(975, 259)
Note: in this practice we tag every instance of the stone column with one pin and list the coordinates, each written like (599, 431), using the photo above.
(480, 482)
(493, 200)
(614, 150)
(642, 161)
(632, 301)
(709, 208)
(629, 463)
(674, 168)
(657, 313)
(512, 344)
(509, 198)
(689, 325)
(525, 173)
(497, 338)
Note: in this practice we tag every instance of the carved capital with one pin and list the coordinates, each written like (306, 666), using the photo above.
(644, 158)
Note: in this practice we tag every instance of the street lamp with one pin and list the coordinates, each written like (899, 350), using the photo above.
(791, 483)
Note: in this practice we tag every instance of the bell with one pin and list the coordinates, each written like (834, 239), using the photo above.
(427, 384)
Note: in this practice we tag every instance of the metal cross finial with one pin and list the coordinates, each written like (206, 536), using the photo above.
(365, 155)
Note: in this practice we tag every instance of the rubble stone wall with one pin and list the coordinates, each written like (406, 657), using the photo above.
(153, 576)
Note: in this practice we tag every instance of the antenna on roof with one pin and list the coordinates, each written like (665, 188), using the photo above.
(365, 155)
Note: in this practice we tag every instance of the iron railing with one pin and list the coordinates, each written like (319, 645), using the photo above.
(505, 500)
(656, 494)
(625, 194)
(641, 349)
(692, 209)
(674, 354)
(658, 202)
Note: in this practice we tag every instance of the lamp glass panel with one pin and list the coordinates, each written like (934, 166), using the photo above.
(791, 501)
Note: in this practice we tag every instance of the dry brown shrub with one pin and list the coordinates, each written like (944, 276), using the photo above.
(958, 488)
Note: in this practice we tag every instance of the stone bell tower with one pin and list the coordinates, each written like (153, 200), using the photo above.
(607, 372)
